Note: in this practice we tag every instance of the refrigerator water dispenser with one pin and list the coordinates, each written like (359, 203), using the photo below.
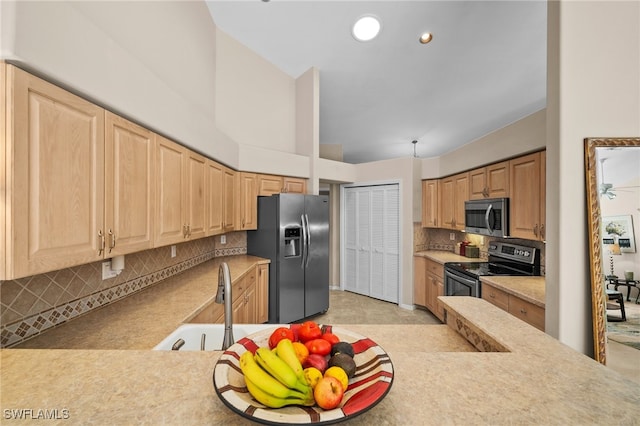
(292, 242)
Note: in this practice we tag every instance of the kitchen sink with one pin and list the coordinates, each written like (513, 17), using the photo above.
(192, 334)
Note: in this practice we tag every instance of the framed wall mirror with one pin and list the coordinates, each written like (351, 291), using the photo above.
(612, 168)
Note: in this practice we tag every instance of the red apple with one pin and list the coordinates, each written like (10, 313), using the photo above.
(328, 392)
(318, 361)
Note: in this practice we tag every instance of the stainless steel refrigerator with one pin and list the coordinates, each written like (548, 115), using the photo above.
(293, 232)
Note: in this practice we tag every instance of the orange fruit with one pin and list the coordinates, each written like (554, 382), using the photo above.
(301, 351)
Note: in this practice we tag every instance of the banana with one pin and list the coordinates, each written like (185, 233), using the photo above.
(287, 353)
(274, 402)
(268, 384)
(281, 370)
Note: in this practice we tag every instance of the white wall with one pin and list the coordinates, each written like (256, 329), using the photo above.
(255, 101)
(593, 91)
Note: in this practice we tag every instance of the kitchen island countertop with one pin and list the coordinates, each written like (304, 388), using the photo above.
(537, 381)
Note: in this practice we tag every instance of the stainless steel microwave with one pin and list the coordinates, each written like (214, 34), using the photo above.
(487, 217)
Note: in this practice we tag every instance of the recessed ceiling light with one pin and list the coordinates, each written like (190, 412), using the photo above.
(425, 38)
(366, 28)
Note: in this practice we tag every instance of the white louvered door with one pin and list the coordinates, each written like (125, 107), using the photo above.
(372, 241)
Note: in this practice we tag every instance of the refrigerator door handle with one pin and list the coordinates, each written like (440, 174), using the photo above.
(304, 242)
(307, 232)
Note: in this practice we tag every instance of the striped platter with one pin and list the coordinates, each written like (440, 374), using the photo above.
(370, 384)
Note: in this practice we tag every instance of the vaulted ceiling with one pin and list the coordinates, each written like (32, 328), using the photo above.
(484, 69)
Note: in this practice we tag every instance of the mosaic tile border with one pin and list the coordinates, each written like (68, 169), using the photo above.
(230, 251)
(26, 328)
(472, 334)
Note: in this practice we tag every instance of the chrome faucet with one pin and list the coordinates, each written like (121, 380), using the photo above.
(224, 296)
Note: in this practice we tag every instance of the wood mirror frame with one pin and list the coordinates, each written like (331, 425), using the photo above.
(594, 218)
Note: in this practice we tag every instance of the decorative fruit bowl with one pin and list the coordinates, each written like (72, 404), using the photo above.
(369, 385)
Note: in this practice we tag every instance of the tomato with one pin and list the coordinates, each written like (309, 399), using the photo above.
(279, 334)
(309, 330)
(318, 346)
(331, 338)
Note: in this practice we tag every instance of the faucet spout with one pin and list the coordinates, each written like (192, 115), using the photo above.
(224, 295)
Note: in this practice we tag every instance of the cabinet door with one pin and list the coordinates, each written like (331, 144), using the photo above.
(495, 296)
(196, 194)
(430, 203)
(420, 281)
(251, 303)
(294, 185)
(262, 292)
(497, 180)
(230, 200)
(447, 203)
(170, 214)
(478, 184)
(129, 186)
(461, 185)
(439, 292)
(269, 185)
(542, 234)
(528, 312)
(524, 180)
(56, 197)
(215, 199)
(248, 201)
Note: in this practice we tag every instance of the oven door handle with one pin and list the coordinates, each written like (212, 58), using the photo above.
(468, 281)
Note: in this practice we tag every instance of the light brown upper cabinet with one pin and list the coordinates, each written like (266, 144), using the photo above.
(230, 185)
(453, 192)
(269, 185)
(54, 196)
(181, 193)
(527, 196)
(489, 182)
(293, 185)
(222, 187)
(273, 184)
(216, 199)
(248, 209)
(129, 186)
(430, 203)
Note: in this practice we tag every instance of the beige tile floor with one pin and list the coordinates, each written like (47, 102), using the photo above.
(350, 308)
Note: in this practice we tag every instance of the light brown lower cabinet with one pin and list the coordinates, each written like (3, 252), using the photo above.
(428, 285)
(250, 300)
(519, 308)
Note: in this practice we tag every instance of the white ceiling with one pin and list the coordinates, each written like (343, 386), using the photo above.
(484, 69)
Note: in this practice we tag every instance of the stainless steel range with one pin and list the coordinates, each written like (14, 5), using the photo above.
(463, 278)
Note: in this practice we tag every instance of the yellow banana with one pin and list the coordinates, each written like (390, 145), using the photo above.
(281, 370)
(274, 402)
(287, 353)
(268, 384)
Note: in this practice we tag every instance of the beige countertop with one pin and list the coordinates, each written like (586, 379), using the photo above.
(531, 289)
(142, 320)
(443, 257)
(537, 381)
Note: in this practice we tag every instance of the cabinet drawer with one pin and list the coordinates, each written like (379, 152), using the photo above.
(527, 312)
(495, 296)
(435, 268)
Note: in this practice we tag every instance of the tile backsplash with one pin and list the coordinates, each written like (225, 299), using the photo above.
(31, 305)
